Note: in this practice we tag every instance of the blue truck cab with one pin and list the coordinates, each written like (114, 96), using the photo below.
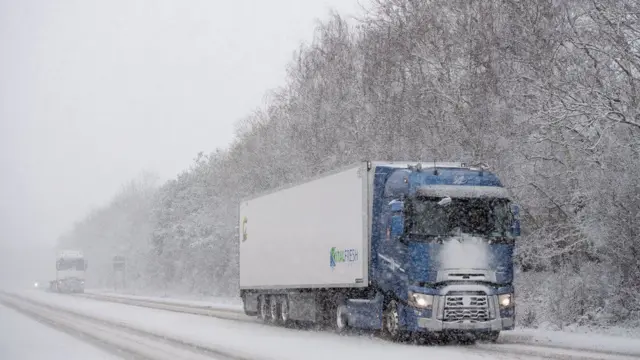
(442, 245)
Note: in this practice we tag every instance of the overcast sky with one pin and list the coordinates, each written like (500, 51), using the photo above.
(94, 92)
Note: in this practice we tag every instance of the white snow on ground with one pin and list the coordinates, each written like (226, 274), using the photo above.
(574, 339)
(630, 331)
(592, 342)
(257, 340)
(22, 338)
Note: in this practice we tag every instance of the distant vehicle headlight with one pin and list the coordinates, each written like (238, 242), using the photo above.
(35, 284)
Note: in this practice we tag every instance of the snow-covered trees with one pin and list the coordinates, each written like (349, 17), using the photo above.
(192, 243)
(545, 91)
(120, 228)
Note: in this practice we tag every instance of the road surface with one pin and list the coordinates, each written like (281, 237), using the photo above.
(191, 331)
(23, 338)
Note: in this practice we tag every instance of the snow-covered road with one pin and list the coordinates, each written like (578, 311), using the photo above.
(22, 338)
(232, 309)
(252, 340)
(115, 337)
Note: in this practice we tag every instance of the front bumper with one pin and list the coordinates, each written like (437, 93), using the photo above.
(495, 318)
(434, 325)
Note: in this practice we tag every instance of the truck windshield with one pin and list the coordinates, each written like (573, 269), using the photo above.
(488, 217)
(70, 264)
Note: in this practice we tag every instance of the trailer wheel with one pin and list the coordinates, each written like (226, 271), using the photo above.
(263, 308)
(274, 309)
(284, 310)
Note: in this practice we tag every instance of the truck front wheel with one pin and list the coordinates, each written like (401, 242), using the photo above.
(391, 322)
(341, 318)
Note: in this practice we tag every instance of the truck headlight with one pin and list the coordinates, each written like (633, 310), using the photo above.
(422, 301)
(505, 300)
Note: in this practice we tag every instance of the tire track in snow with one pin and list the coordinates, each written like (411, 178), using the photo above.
(120, 339)
(221, 313)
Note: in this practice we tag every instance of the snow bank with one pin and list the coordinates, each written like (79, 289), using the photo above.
(560, 339)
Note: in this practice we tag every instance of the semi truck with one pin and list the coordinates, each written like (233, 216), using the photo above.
(405, 248)
(70, 272)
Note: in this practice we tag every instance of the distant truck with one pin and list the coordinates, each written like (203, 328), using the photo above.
(406, 248)
(70, 272)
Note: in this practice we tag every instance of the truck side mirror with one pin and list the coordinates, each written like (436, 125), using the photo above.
(515, 226)
(397, 225)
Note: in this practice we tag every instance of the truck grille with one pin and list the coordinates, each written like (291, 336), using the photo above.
(460, 301)
(466, 307)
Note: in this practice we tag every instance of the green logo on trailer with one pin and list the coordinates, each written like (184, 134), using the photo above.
(340, 256)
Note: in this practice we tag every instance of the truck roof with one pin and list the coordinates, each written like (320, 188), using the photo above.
(70, 254)
(424, 164)
(407, 180)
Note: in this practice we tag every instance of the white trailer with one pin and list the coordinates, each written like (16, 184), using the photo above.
(312, 235)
